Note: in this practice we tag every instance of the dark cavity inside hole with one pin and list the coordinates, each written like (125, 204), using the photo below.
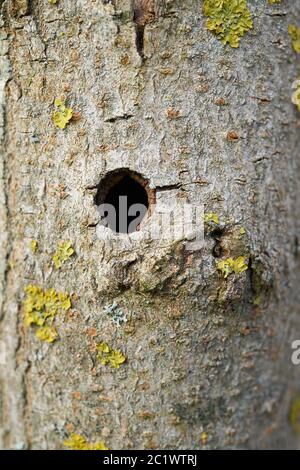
(123, 199)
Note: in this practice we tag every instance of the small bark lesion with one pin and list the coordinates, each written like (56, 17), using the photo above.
(143, 14)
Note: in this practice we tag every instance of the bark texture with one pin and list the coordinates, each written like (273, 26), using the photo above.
(204, 353)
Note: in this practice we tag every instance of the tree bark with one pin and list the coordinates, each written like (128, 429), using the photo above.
(202, 122)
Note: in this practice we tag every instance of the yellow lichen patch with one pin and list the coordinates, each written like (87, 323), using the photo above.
(242, 231)
(46, 333)
(211, 217)
(257, 301)
(53, 2)
(64, 301)
(231, 265)
(203, 438)
(109, 356)
(77, 442)
(295, 415)
(271, 2)
(229, 20)
(63, 252)
(296, 94)
(34, 246)
(294, 33)
(40, 308)
(63, 115)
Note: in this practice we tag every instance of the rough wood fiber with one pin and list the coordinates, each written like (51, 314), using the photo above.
(200, 355)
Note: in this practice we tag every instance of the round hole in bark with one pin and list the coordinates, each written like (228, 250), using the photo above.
(124, 199)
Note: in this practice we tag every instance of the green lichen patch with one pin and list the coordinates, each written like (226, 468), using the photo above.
(117, 315)
(294, 33)
(63, 252)
(108, 356)
(62, 116)
(40, 308)
(231, 265)
(229, 20)
(78, 442)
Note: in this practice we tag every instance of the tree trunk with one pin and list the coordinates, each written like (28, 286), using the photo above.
(208, 357)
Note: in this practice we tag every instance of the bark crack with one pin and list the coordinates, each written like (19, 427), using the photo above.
(143, 13)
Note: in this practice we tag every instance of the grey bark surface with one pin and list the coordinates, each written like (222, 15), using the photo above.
(201, 355)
